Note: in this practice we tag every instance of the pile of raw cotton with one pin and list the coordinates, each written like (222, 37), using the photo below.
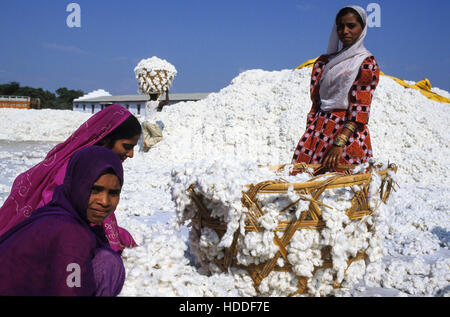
(259, 118)
(154, 75)
(40, 125)
(220, 183)
(93, 94)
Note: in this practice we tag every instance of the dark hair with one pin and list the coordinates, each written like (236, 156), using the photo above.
(128, 129)
(347, 10)
(108, 171)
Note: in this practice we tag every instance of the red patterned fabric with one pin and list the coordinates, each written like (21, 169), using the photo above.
(322, 127)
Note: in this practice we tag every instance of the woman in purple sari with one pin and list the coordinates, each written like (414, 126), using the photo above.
(115, 128)
(62, 249)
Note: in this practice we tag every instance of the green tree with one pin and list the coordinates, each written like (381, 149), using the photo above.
(66, 97)
(9, 89)
(48, 99)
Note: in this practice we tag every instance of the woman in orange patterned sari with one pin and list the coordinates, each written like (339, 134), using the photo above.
(342, 85)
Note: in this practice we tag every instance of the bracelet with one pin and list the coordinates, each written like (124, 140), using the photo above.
(343, 137)
(350, 126)
(340, 140)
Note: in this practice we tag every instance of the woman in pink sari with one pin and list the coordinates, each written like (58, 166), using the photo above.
(115, 128)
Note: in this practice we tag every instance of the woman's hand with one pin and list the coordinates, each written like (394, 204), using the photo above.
(331, 160)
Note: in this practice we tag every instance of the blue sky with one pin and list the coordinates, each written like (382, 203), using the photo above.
(209, 42)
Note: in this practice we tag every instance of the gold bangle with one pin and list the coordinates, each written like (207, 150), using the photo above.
(350, 126)
(340, 140)
(343, 137)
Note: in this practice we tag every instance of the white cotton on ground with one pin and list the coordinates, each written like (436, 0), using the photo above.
(39, 125)
(260, 117)
(159, 267)
(93, 94)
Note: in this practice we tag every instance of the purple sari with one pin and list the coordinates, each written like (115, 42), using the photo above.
(34, 187)
(56, 251)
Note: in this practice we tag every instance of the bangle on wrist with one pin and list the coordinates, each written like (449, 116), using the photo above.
(350, 126)
(340, 140)
(343, 137)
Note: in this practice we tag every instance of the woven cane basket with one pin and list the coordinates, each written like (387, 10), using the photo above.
(153, 81)
(311, 218)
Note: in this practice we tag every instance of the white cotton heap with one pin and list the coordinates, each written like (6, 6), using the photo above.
(260, 117)
(220, 185)
(154, 75)
(93, 94)
(159, 267)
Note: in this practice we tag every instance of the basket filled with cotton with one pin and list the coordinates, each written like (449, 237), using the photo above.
(154, 75)
(280, 234)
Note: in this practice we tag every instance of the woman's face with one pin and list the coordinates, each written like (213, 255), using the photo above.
(104, 198)
(124, 148)
(348, 29)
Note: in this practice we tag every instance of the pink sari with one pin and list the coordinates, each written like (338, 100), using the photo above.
(34, 188)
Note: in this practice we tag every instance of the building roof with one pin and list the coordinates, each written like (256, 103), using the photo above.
(143, 98)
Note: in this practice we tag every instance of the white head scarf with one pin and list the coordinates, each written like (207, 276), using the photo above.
(341, 71)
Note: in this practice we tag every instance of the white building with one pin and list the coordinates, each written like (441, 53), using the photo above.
(134, 103)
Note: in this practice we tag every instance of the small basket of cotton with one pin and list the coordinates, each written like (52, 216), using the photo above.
(280, 233)
(154, 75)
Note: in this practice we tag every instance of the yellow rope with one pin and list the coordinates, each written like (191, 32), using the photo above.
(424, 86)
